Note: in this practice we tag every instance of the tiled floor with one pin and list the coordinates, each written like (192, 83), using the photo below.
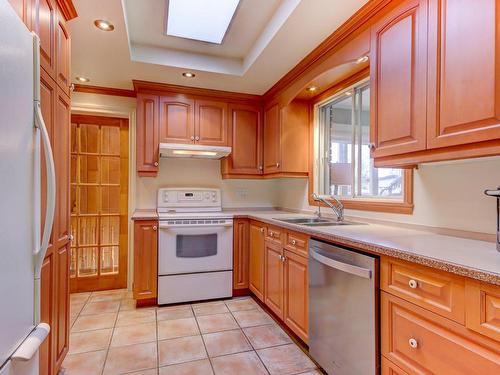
(110, 336)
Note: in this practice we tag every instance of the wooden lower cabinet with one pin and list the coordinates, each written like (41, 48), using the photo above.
(241, 253)
(483, 308)
(274, 270)
(296, 309)
(389, 368)
(145, 283)
(256, 259)
(47, 311)
(421, 342)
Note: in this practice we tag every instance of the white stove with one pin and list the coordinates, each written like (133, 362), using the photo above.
(195, 246)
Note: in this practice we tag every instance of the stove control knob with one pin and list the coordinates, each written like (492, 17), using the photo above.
(207, 195)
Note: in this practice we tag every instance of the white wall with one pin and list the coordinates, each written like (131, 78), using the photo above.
(447, 195)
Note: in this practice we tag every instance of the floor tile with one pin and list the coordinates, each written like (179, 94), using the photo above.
(132, 317)
(250, 318)
(180, 350)
(75, 308)
(79, 297)
(111, 295)
(143, 372)
(227, 342)
(216, 323)
(170, 329)
(174, 312)
(127, 304)
(312, 372)
(131, 358)
(91, 322)
(247, 363)
(72, 319)
(265, 336)
(209, 308)
(84, 363)
(135, 334)
(101, 307)
(87, 341)
(286, 359)
(242, 304)
(201, 367)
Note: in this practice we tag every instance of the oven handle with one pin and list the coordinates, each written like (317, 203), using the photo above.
(166, 226)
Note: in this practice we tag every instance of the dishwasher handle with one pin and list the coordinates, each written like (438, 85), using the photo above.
(341, 266)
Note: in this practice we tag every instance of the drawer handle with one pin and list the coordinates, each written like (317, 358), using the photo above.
(413, 284)
(294, 242)
(413, 343)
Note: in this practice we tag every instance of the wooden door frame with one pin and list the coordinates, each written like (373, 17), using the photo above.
(120, 281)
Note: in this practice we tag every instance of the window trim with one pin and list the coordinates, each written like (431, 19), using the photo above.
(404, 206)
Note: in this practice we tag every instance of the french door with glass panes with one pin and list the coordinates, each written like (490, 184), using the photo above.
(99, 197)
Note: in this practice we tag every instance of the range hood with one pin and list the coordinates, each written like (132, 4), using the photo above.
(179, 150)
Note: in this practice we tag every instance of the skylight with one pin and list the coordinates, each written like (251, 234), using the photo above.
(205, 20)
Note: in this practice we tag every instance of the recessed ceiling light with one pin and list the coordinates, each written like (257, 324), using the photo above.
(189, 75)
(312, 89)
(82, 79)
(204, 20)
(348, 93)
(104, 25)
(362, 59)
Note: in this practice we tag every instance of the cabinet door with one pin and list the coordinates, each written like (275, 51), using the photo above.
(241, 254)
(464, 72)
(483, 308)
(47, 311)
(273, 274)
(63, 50)
(176, 119)
(294, 138)
(62, 319)
(256, 275)
(145, 259)
(246, 140)
(44, 25)
(296, 295)
(389, 368)
(398, 78)
(211, 123)
(147, 135)
(272, 139)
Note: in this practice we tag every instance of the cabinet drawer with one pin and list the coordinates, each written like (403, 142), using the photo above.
(297, 242)
(483, 308)
(274, 234)
(421, 342)
(434, 290)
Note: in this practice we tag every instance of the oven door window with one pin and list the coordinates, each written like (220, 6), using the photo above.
(196, 245)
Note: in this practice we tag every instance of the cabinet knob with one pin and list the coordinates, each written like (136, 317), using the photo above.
(192, 137)
(197, 138)
(277, 165)
(155, 227)
(413, 284)
(371, 146)
(262, 230)
(294, 242)
(155, 163)
(261, 168)
(413, 343)
(271, 234)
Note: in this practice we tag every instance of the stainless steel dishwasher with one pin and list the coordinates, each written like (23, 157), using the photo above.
(343, 310)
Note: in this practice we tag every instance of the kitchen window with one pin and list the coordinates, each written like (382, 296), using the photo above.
(343, 166)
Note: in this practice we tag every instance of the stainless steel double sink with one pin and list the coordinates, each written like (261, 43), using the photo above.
(315, 221)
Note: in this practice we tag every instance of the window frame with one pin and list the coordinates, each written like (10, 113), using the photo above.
(404, 206)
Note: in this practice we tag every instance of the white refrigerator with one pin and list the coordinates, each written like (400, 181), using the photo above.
(22, 245)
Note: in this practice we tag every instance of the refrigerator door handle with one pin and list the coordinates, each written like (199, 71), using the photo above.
(32, 343)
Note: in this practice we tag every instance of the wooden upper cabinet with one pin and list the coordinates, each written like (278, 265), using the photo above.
(63, 50)
(398, 79)
(241, 244)
(176, 119)
(44, 25)
(272, 139)
(145, 259)
(294, 138)
(256, 261)
(211, 123)
(23, 10)
(147, 135)
(464, 72)
(274, 279)
(245, 133)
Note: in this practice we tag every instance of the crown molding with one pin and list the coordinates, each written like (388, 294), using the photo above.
(68, 9)
(104, 90)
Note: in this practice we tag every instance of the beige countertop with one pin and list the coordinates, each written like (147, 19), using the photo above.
(471, 258)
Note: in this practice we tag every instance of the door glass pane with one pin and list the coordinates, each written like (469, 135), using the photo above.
(73, 168)
(110, 170)
(73, 202)
(87, 231)
(74, 138)
(88, 199)
(74, 230)
(110, 198)
(110, 140)
(110, 230)
(109, 260)
(196, 246)
(89, 169)
(72, 262)
(89, 138)
(87, 262)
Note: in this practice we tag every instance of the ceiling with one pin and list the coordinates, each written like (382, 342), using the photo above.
(265, 39)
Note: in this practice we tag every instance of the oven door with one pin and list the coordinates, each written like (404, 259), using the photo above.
(189, 246)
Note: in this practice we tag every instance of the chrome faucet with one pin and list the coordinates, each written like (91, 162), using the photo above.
(337, 208)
